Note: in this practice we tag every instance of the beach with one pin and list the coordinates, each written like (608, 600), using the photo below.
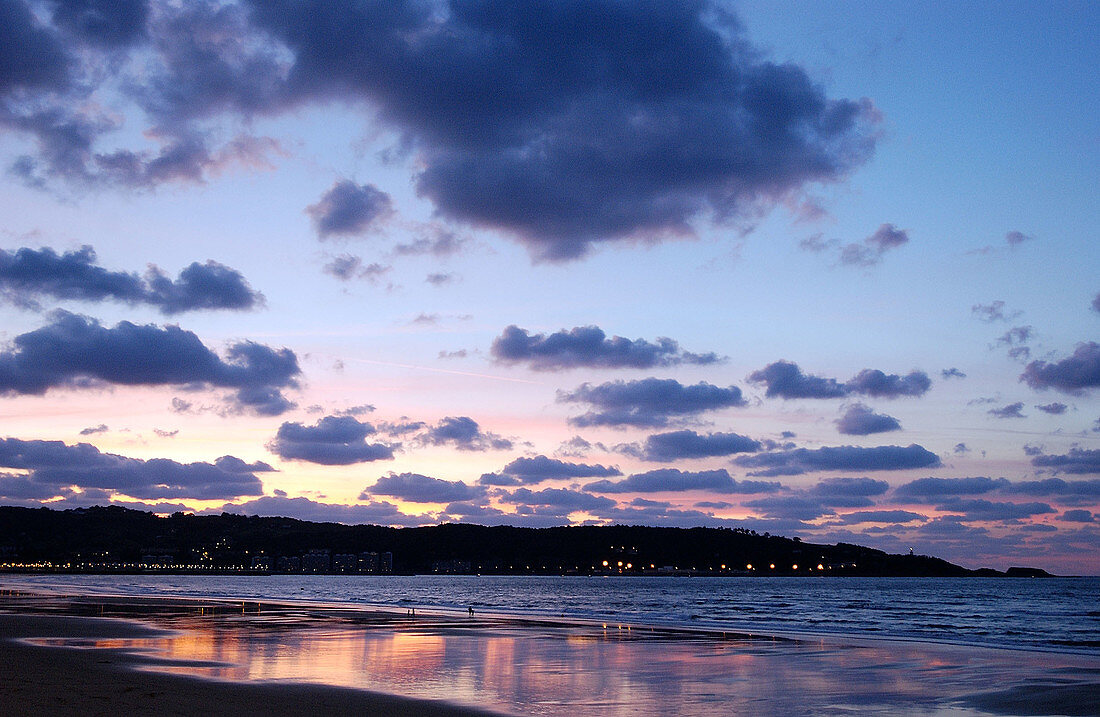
(115, 655)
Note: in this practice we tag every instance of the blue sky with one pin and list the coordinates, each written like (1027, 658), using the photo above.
(900, 189)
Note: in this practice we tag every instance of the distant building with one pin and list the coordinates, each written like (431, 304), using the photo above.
(368, 562)
(317, 561)
(345, 563)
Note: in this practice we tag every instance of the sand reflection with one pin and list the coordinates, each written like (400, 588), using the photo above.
(545, 669)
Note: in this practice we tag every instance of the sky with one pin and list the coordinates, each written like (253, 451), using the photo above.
(825, 270)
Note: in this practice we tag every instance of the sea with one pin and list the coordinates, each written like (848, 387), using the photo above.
(1060, 615)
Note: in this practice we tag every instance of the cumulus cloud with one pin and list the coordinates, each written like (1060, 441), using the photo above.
(1077, 461)
(791, 507)
(1073, 375)
(1060, 487)
(417, 488)
(74, 350)
(649, 402)
(871, 250)
(332, 441)
(55, 468)
(880, 516)
(687, 444)
(859, 420)
(980, 509)
(1054, 409)
(27, 275)
(92, 430)
(784, 379)
(348, 208)
(952, 373)
(938, 487)
(559, 498)
(589, 347)
(380, 513)
(839, 458)
(465, 434)
(527, 471)
(1012, 410)
(637, 134)
(1078, 515)
(665, 480)
(848, 492)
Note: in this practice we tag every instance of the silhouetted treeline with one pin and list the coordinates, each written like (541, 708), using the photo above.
(98, 538)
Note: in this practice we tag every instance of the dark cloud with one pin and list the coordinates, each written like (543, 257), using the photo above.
(563, 160)
(1059, 487)
(680, 445)
(650, 402)
(562, 124)
(418, 488)
(848, 492)
(1015, 238)
(784, 379)
(73, 350)
(791, 507)
(1054, 409)
(1012, 410)
(859, 420)
(871, 250)
(381, 513)
(666, 480)
(1077, 461)
(108, 23)
(464, 434)
(561, 498)
(348, 208)
(961, 449)
(92, 430)
(880, 516)
(333, 441)
(439, 279)
(57, 467)
(1073, 375)
(938, 487)
(952, 373)
(978, 509)
(834, 458)
(589, 347)
(527, 471)
(876, 384)
(26, 275)
(1078, 516)
(31, 56)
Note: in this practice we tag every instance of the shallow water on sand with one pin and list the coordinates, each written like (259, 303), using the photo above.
(540, 667)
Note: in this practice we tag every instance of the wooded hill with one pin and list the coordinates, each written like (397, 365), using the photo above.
(118, 539)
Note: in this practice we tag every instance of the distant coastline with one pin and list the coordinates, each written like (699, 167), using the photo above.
(118, 540)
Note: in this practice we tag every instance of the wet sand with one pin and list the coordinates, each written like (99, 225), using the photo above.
(95, 655)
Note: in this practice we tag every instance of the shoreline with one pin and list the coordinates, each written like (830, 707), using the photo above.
(99, 654)
(701, 628)
(55, 680)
